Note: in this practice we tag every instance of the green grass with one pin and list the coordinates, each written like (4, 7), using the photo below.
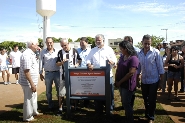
(84, 115)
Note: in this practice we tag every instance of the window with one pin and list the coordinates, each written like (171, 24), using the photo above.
(117, 43)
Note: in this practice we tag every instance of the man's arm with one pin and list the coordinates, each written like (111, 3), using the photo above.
(41, 62)
(112, 59)
(27, 66)
(159, 63)
(59, 61)
(41, 65)
(28, 77)
(89, 60)
(79, 59)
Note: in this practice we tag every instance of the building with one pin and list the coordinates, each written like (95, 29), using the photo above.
(114, 43)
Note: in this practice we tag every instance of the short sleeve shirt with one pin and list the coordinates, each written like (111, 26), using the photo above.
(28, 61)
(123, 68)
(15, 56)
(3, 59)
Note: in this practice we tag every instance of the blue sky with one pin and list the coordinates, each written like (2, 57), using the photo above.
(19, 20)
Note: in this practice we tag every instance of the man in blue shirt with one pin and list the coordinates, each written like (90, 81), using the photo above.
(83, 51)
(151, 66)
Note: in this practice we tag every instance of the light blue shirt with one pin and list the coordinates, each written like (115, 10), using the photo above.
(83, 54)
(48, 60)
(151, 66)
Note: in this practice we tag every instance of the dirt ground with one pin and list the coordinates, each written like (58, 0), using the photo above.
(12, 95)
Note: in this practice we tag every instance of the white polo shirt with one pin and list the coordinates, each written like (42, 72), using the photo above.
(3, 59)
(98, 57)
(15, 56)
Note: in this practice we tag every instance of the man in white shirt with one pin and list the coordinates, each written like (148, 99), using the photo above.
(15, 56)
(97, 58)
(4, 67)
(28, 80)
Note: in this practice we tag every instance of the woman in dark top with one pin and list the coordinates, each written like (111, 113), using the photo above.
(182, 70)
(126, 77)
(174, 62)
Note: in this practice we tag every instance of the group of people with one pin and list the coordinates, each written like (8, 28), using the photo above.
(14, 60)
(134, 64)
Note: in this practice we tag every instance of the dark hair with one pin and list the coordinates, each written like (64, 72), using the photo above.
(49, 38)
(175, 48)
(15, 45)
(158, 45)
(84, 39)
(129, 38)
(127, 45)
(146, 37)
(165, 54)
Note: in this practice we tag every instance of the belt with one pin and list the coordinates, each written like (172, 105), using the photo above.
(52, 71)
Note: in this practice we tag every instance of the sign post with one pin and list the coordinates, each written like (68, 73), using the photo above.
(84, 84)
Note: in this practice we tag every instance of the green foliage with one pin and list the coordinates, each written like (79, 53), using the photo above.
(139, 45)
(70, 40)
(8, 45)
(90, 41)
(40, 41)
(155, 41)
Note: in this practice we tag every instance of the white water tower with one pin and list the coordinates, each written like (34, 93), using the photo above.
(46, 8)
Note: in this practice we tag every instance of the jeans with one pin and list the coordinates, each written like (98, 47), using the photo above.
(99, 103)
(127, 102)
(149, 92)
(49, 78)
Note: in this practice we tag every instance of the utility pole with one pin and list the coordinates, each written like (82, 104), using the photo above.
(166, 33)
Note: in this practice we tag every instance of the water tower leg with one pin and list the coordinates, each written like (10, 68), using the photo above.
(46, 29)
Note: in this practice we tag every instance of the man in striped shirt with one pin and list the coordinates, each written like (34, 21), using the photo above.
(28, 79)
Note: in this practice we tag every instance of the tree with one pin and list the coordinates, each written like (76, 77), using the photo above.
(155, 41)
(70, 40)
(90, 41)
(8, 45)
(40, 41)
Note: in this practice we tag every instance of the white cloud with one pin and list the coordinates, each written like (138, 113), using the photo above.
(93, 4)
(152, 7)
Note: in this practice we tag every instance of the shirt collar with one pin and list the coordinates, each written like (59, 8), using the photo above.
(48, 50)
(31, 51)
(100, 48)
(151, 49)
(83, 50)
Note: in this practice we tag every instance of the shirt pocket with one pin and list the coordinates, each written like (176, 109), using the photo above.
(152, 65)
